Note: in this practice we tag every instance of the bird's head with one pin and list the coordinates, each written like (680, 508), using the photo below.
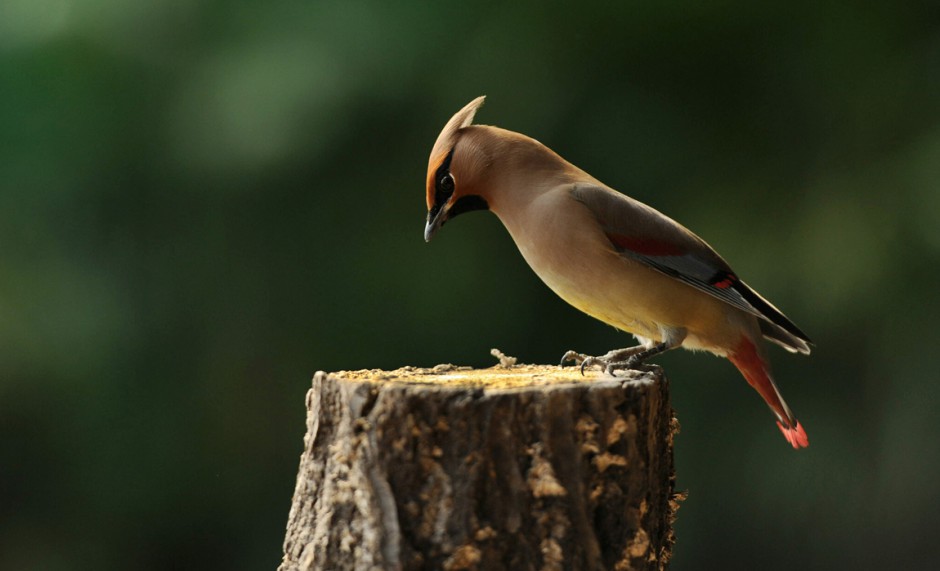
(451, 179)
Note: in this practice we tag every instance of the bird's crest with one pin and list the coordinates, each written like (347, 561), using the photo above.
(446, 140)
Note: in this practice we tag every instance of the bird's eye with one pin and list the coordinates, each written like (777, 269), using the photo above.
(447, 183)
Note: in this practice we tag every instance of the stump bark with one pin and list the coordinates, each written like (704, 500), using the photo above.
(529, 467)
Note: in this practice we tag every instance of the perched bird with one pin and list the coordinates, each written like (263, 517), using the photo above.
(609, 255)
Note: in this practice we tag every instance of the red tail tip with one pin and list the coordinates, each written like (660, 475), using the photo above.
(796, 436)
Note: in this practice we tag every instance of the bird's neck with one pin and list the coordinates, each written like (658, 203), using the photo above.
(520, 171)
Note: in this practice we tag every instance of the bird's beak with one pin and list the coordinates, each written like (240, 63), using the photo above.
(435, 221)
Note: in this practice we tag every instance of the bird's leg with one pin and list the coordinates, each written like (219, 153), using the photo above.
(672, 338)
(615, 356)
(636, 359)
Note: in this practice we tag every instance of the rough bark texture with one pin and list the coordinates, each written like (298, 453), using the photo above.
(447, 468)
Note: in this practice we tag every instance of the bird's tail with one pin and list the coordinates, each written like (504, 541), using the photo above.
(749, 361)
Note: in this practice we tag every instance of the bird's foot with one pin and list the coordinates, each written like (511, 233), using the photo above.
(613, 361)
(580, 359)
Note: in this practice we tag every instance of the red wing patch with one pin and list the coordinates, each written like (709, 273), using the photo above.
(644, 246)
(723, 280)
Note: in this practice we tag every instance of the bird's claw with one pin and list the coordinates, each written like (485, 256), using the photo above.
(578, 358)
(614, 366)
(591, 362)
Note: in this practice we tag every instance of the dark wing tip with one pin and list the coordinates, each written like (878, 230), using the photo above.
(783, 330)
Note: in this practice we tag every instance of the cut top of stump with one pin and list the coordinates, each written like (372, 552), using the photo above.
(496, 378)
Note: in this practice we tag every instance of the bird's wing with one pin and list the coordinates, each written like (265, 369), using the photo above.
(642, 233)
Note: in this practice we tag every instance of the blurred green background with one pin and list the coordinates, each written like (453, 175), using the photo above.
(202, 203)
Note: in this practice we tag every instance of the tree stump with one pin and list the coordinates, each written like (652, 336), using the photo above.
(528, 467)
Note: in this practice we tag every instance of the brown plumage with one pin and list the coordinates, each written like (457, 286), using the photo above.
(609, 255)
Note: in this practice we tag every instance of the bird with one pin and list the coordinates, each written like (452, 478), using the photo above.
(610, 256)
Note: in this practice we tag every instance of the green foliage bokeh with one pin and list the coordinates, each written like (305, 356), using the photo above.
(202, 203)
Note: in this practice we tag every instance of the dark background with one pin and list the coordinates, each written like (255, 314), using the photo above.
(202, 203)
